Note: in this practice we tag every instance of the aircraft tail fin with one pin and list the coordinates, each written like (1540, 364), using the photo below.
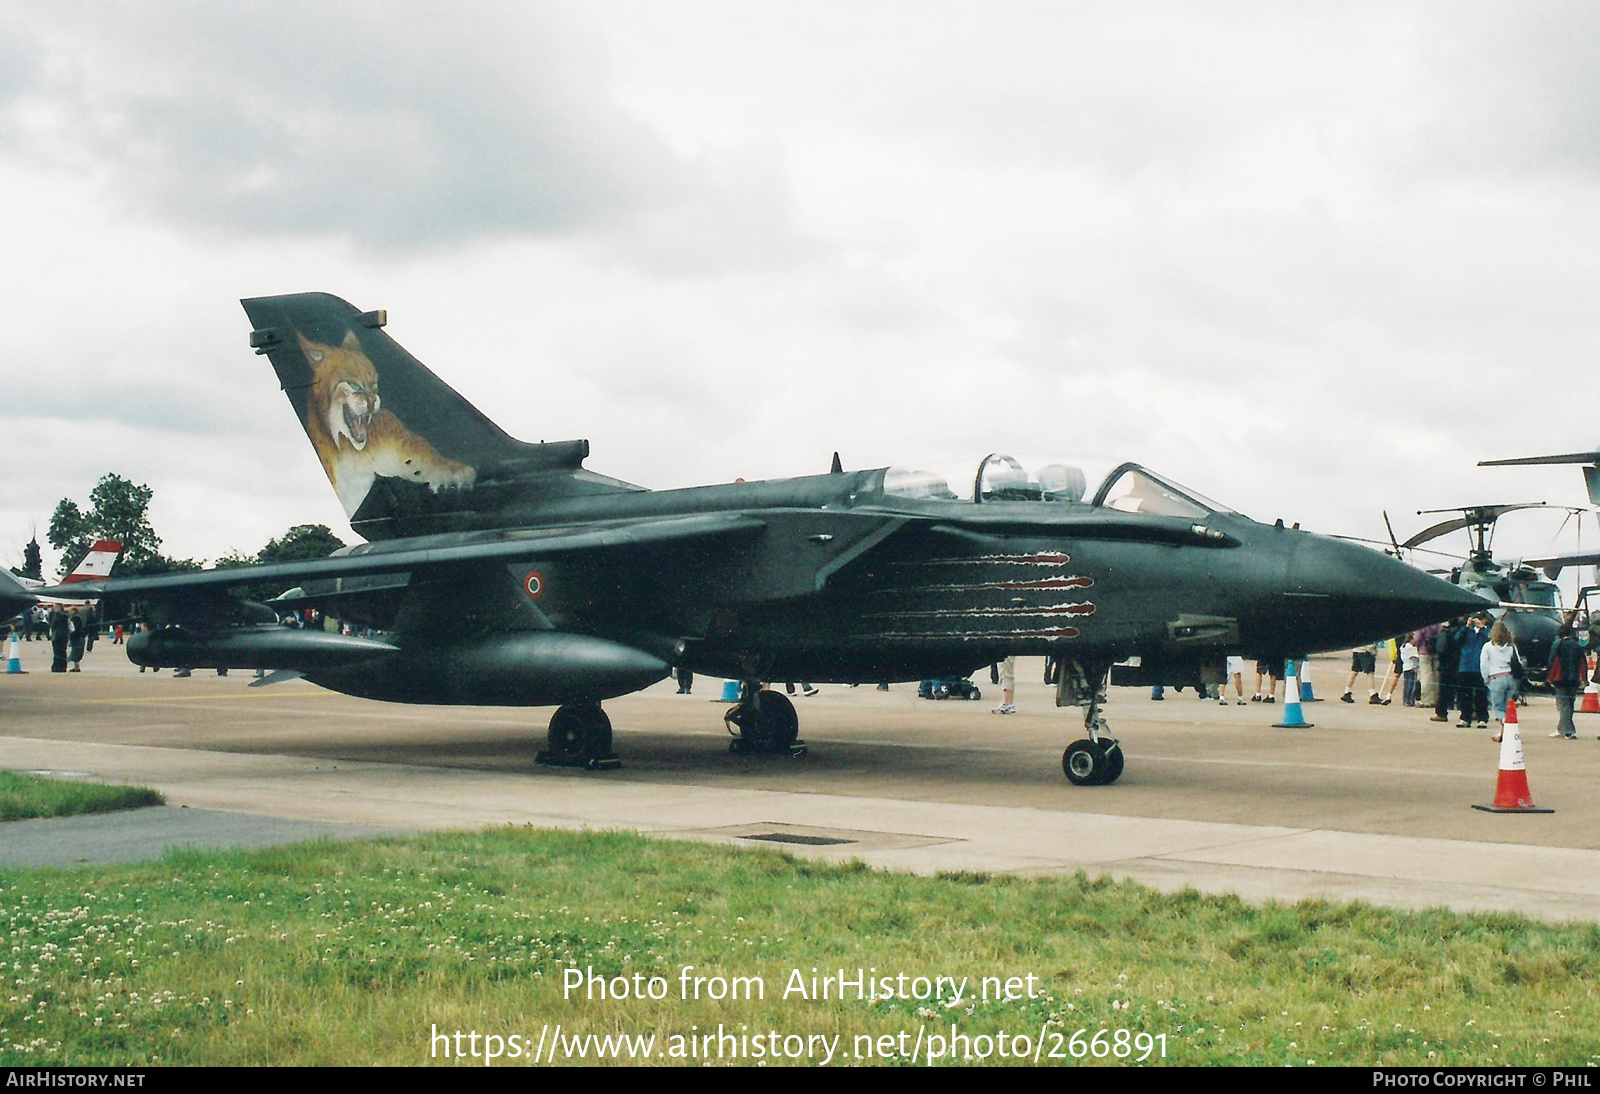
(404, 451)
(97, 563)
(14, 596)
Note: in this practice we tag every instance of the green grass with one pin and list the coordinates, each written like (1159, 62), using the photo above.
(24, 796)
(325, 953)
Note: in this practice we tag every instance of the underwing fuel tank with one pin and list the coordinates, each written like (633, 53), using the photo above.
(271, 647)
(530, 668)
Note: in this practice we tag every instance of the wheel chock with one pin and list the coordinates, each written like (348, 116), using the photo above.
(546, 758)
(739, 744)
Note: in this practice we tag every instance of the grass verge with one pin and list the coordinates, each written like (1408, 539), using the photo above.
(360, 953)
(23, 796)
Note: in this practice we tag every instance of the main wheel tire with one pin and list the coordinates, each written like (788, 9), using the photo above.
(775, 726)
(582, 731)
(1087, 764)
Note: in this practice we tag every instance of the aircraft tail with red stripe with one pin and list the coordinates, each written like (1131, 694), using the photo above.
(97, 563)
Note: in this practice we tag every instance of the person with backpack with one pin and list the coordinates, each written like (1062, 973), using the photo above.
(1568, 675)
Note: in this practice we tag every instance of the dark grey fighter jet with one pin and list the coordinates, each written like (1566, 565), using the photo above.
(506, 573)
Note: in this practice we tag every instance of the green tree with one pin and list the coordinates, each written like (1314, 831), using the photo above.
(233, 559)
(303, 541)
(118, 510)
(33, 560)
(70, 534)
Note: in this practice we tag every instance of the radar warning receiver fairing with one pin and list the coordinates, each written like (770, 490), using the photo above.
(506, 573)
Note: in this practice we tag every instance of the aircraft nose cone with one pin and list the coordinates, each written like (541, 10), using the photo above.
(1351, 594)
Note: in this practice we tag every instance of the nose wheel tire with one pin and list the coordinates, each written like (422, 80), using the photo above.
(1086, 763)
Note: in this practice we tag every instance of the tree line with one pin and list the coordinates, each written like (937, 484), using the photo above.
(119, 510)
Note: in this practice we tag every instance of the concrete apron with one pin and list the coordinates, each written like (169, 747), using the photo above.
(1259, 863)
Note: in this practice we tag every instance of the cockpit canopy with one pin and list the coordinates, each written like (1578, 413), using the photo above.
(1127, 487)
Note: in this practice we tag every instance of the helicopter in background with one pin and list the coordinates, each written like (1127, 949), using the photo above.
(1528, 603)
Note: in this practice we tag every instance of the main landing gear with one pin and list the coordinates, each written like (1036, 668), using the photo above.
(1096, 761)
(764, 721)
(580, 736)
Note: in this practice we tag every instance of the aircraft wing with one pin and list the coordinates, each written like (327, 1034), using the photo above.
(375, 559)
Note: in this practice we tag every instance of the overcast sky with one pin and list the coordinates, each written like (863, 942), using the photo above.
(1312, 260)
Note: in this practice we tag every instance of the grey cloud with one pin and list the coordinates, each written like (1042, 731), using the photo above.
(1520, 91)
(396, 125)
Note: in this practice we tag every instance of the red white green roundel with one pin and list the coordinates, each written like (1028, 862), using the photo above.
(533, 584)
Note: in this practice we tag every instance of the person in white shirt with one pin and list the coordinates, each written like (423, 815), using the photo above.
(1495, 663)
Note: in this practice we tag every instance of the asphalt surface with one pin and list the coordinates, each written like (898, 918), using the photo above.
(1371, 803)
(140, 834)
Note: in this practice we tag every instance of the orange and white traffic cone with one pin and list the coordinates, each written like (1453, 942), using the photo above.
(1590, 703)
(1511, 793)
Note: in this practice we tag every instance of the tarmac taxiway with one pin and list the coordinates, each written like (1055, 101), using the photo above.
(1372, 803)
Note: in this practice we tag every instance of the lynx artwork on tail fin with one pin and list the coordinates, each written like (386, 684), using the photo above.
(355, 438)
(510, 575)
(404, 451)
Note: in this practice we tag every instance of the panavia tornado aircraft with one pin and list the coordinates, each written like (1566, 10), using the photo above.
(505, 573)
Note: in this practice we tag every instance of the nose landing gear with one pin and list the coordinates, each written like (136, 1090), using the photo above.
(1097, 760)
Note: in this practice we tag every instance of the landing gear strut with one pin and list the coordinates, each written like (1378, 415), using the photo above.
(764, 721)
(1098, 760)
(580, 736)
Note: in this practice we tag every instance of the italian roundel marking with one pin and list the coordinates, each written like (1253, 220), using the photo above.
(533, 584)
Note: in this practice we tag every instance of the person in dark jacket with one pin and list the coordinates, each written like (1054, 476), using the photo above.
(77, 632)
(60, 635)
(1447, 648)
(1472, 696)
(1569, 674)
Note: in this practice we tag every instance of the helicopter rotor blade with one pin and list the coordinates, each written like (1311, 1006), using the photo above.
(1472, 516)
(1392, 538)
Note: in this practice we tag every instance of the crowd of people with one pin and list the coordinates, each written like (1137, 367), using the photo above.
(1469, 665)
(1472, 665)
(71, 632)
